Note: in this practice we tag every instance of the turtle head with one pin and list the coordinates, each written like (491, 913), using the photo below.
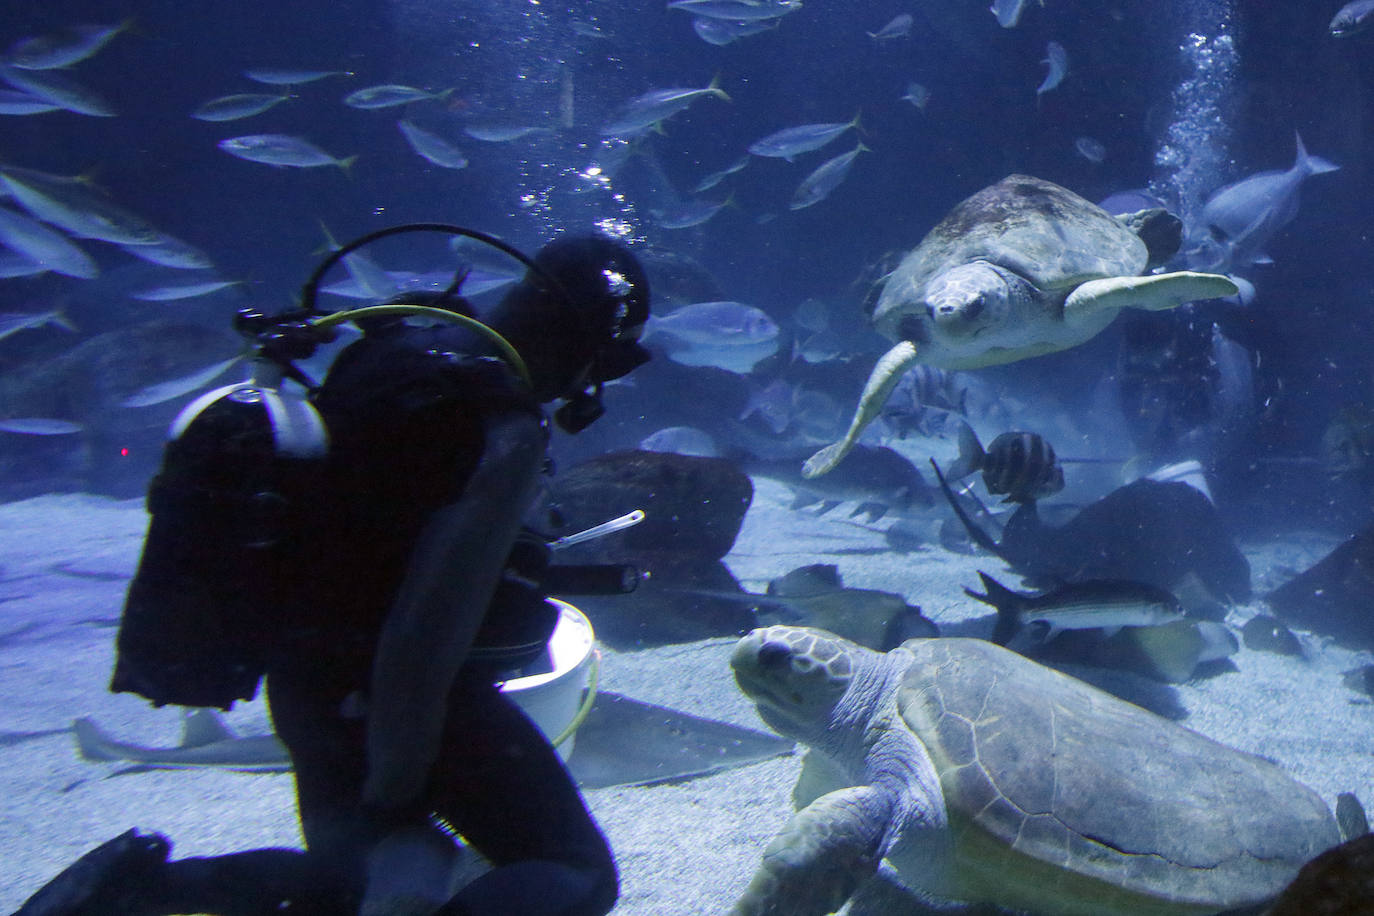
(796, 676)
(968, 299)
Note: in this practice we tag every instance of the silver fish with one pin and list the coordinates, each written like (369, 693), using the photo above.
(162, 392)
(14, 102)
(793, 141)
(237, 106)
(1057, 60)
(432, 148)
(502, 133)
(13, 264)
(1107, 604)
(171, 252)
(721, 32)
(16, 322)
(1090, 149)
(729, 335)
(1243, 217)
(644, 111)
(282, 150)
(688, 214)
(817, 186)
(39, 426)
(282, 77)
(72, 204)
(1008, 12)
(737, 10)
(681, 440)
(715, 178)
(64, 47)
(57, 89)
(45, 247)
(1352, 19)
(898, 27)
(917, 95)
(390, 95)
(174, 291)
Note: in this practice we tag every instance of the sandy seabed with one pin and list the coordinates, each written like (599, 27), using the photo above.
(683, 848)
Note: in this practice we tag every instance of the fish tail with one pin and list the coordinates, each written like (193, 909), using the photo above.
(1008, 605)
(971, 454)
(713, 87)
(347, 164)
(59, 317)
(1312, 165)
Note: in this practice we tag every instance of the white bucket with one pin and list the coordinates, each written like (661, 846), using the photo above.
(552, 699)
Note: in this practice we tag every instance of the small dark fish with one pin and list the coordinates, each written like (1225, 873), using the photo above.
(1353, 18)
(1266, 634)
(1360, 680)
(1350, 816)
(1106, 604)
(1020, 464)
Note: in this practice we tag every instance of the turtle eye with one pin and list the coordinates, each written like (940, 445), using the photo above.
(975, 306)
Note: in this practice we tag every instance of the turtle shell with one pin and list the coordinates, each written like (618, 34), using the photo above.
(1045, 233)
(1065, 799)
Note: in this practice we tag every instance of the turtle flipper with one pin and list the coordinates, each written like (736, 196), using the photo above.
(1155, 292)
(890, 368)
(818, 860)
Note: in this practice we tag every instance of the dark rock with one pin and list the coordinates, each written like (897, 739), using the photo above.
(693, 506)
(693, 510)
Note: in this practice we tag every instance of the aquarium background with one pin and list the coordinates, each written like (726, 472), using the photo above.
(1184, 96)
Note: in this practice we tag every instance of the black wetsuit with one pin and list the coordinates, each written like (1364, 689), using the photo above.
(405, 408)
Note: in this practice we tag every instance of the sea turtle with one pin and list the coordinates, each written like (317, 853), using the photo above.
(1020, 269)
(982, 776)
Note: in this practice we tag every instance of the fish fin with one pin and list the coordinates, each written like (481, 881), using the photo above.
(346, 164)
(1109, 632)
(827, 505)
(802, 500)
(714, 88)
(872, 510)
(1311, 165)
(203, 726)
(1007, 603)
(971, 454)
(59, 317)
(807, 581)
(91, 741)
(979, 536)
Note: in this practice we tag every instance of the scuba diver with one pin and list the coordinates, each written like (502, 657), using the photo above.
(366, 549)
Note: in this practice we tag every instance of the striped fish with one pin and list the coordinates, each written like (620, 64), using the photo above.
(1020, 465)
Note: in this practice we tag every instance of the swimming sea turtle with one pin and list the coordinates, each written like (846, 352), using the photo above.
(1020, 269)
(982, 776)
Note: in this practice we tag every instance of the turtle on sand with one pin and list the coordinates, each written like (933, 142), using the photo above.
(1020, 269)
(981, 776)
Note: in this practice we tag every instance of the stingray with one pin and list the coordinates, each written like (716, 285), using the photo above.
(623, 742)
(1335, 595)
(816, 596)
(1164, 534)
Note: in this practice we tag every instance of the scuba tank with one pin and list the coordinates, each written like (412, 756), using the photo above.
(230, 505)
